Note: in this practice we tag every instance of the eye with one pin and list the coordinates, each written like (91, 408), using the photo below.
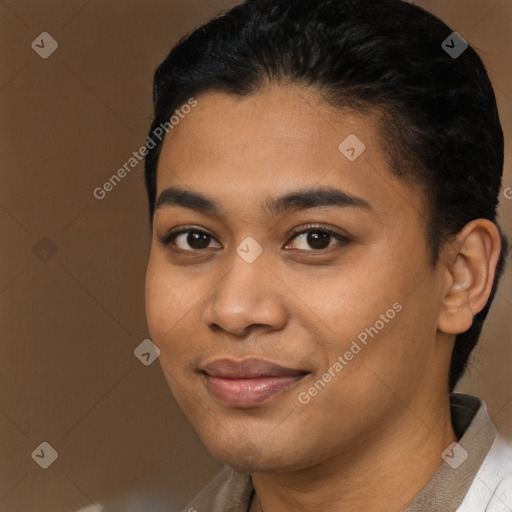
(196, 239)
(318, 238)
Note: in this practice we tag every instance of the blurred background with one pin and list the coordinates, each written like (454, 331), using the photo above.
(73, 266)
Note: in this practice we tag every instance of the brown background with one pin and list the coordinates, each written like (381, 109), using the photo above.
(69, 325)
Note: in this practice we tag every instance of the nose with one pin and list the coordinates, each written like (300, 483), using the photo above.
(248, 297)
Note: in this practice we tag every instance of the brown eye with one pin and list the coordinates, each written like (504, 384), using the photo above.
(318, 239)
(197, 240)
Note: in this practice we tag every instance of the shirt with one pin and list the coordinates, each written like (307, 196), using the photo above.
(475, 476)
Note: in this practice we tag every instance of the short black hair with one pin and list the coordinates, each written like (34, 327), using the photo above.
(439, 119)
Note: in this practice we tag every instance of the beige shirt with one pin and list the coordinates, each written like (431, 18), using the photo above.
(231, 491)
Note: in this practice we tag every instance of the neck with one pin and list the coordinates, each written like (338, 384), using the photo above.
(384, 473)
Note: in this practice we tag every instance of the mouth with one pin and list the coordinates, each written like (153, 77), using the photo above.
(249, 382)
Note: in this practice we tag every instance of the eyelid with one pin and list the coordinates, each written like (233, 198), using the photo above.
(171, 235)
(319, 227)
(312, 227)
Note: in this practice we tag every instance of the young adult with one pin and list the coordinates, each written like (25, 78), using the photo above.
(325, 251)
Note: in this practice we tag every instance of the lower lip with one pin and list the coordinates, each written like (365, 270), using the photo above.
(249, 392)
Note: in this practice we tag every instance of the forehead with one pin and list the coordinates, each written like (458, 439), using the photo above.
(265, 144)
(285, 121)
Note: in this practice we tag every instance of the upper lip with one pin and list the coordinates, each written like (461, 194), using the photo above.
(248, 368)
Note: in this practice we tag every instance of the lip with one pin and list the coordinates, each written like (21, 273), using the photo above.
(249, 382)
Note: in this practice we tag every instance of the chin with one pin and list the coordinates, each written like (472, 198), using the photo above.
(253, 456)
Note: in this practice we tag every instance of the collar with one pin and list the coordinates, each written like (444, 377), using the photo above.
(476, 433)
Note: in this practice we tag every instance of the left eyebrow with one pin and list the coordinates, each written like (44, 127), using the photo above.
(304, 199)
(313, 198)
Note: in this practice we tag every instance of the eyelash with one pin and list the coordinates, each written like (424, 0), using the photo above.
(169, 237)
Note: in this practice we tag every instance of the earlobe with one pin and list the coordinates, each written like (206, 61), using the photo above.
(470, 276)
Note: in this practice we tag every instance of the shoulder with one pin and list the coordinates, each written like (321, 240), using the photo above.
(491, 490)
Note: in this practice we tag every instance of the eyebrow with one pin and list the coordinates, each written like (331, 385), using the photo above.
(303, 199)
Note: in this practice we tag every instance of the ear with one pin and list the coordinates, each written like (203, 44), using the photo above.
(469, 273)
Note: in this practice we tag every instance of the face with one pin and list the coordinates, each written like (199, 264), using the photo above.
(289, 288)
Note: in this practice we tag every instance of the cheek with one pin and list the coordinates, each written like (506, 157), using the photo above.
(172, 317)
(155, 300)
(167, 298)
(346, 300)
(163, 309)
(370, 304)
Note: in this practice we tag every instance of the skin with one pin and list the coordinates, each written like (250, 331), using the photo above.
(373, 437)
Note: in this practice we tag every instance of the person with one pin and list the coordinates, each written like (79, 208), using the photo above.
(325, 250)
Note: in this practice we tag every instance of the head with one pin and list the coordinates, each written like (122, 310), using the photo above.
(275, 93)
